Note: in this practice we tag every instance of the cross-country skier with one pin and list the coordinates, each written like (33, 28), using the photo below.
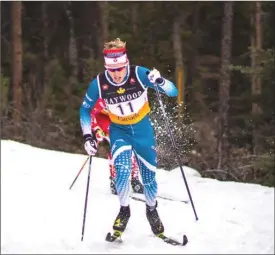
(100, 128)
(123, 87)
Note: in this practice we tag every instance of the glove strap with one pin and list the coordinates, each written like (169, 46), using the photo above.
(160, 81)
(88, 137)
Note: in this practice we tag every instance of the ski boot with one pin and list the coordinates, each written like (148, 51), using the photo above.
(154, 219)
(137, 186)
(121, 220)
(113, 186)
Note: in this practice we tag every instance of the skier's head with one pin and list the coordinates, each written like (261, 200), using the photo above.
(116, 60)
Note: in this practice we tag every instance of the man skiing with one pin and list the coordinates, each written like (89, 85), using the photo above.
(100, 129)
(123, 87)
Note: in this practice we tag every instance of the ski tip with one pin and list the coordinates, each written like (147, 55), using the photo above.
(108, 236)
(185, 240)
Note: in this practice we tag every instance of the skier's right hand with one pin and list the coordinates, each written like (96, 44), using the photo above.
(90, 145)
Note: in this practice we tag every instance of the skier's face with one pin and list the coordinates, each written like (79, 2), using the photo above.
(117, 74)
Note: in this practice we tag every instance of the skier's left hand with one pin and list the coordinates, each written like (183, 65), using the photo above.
(155, 77)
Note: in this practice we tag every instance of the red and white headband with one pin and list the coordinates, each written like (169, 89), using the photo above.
(115, 58)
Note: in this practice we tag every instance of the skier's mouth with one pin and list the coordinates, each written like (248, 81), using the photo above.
(117, 79)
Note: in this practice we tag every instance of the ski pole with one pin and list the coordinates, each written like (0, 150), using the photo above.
(79, 172)
(175, 147)
(86, 199)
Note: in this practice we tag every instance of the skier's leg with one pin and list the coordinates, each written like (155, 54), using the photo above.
(145, 150)
(121, 154)
(146, 158)
(148, 174)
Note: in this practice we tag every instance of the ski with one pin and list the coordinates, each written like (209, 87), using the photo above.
(173, 241)
(138, 199)
(170, 199)
(161, 197)
(115, 237)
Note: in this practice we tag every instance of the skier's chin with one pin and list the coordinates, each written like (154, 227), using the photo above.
(118, 79)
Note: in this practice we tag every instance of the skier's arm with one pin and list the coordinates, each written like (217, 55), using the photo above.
(88, 104)
(166, 86)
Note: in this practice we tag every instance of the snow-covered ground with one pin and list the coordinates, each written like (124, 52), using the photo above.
(39, 214)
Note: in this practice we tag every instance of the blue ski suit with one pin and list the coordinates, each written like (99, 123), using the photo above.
(130, 128)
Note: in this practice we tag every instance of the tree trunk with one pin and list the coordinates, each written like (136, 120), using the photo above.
(72, 45)
(43, 99)
(45, 30)
(191, 73)
(16, 12)
(134, 19)
(104, 22)
(256, 90)
(178, 62)
(224, 88)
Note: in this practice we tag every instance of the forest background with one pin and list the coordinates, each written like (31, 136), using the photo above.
(219, 54)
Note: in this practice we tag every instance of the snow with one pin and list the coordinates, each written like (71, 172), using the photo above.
(39, 214)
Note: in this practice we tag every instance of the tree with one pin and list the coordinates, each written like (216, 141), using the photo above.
(224, 88)
(16, 12)
(72, 45)
(104, 23)
(256, 87)
(44, 10)
(191, 68)
(178, 60)
(134, 20)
